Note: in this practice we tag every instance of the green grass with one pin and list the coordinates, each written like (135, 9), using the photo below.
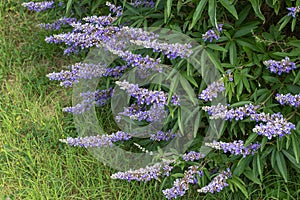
(33, 163)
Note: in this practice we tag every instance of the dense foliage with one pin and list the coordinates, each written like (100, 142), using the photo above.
(253, 44)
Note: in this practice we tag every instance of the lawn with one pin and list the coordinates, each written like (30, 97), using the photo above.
(33, 163)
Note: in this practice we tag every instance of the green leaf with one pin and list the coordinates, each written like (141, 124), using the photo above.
(293, 89)
(215, 60)
(240, 88)
(271, 79)
(232, 53)
(297, 78)
(256, 7)
(179, 121)
(251, 138)
(169, 6)
(241, 166)
(296, 148)
(239, 184)
(226, 4)
(243, 15)
(246, 29)
(249, 174)
(177, 175)
(284, 22)
(291, 159)
(263, 143)
(240, 103)
(247, 44)
(69, 4)
(212, 12)
(246, 84)
(293, 24)
(259, 167)
(198, 13)
(281, 165)
(132, 9)
(189, 78)
(216, 47)
(189, 90)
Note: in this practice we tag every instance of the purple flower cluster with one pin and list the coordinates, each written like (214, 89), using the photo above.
(137, 60)
(135, 112)
(145, 96)
(170, 50)
(212, 90)
(38, 6)
(278, 67)
(83, 36)
(162, 136)
(212, 34)
(192, 155)
(235, 147)
(293, 11)
(223, 112)
(143, 3)
(102, 20)
(99, 98)
(182, 185)
(115, 72)
(78, 71)
(98, 140)
(85, 71)
(274, 125)
(58, 23)
(228, 75)
(117, 10)
(218, 183)
(146, 174)
(288, 99)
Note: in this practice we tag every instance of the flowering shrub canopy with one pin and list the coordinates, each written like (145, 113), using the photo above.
(256, 52)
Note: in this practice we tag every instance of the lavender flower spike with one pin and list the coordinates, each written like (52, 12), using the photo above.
(182, 185)
(99, 98)
(235, 147)
(288, 99)
(162, 136)
(143, 3)
(98, 140)
(78, 71)
(192, 155)
(218, 183)
(212, 34)
(145, 96)
(146, 174)
(212, 90)
(170, 50)
(135, 112)
(278, 67)
(38, 6)
(223, 112)
(58, 23)
(293, 11)
(117, 10)
(275, 125)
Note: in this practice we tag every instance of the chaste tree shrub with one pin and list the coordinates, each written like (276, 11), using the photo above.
(251, 111)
